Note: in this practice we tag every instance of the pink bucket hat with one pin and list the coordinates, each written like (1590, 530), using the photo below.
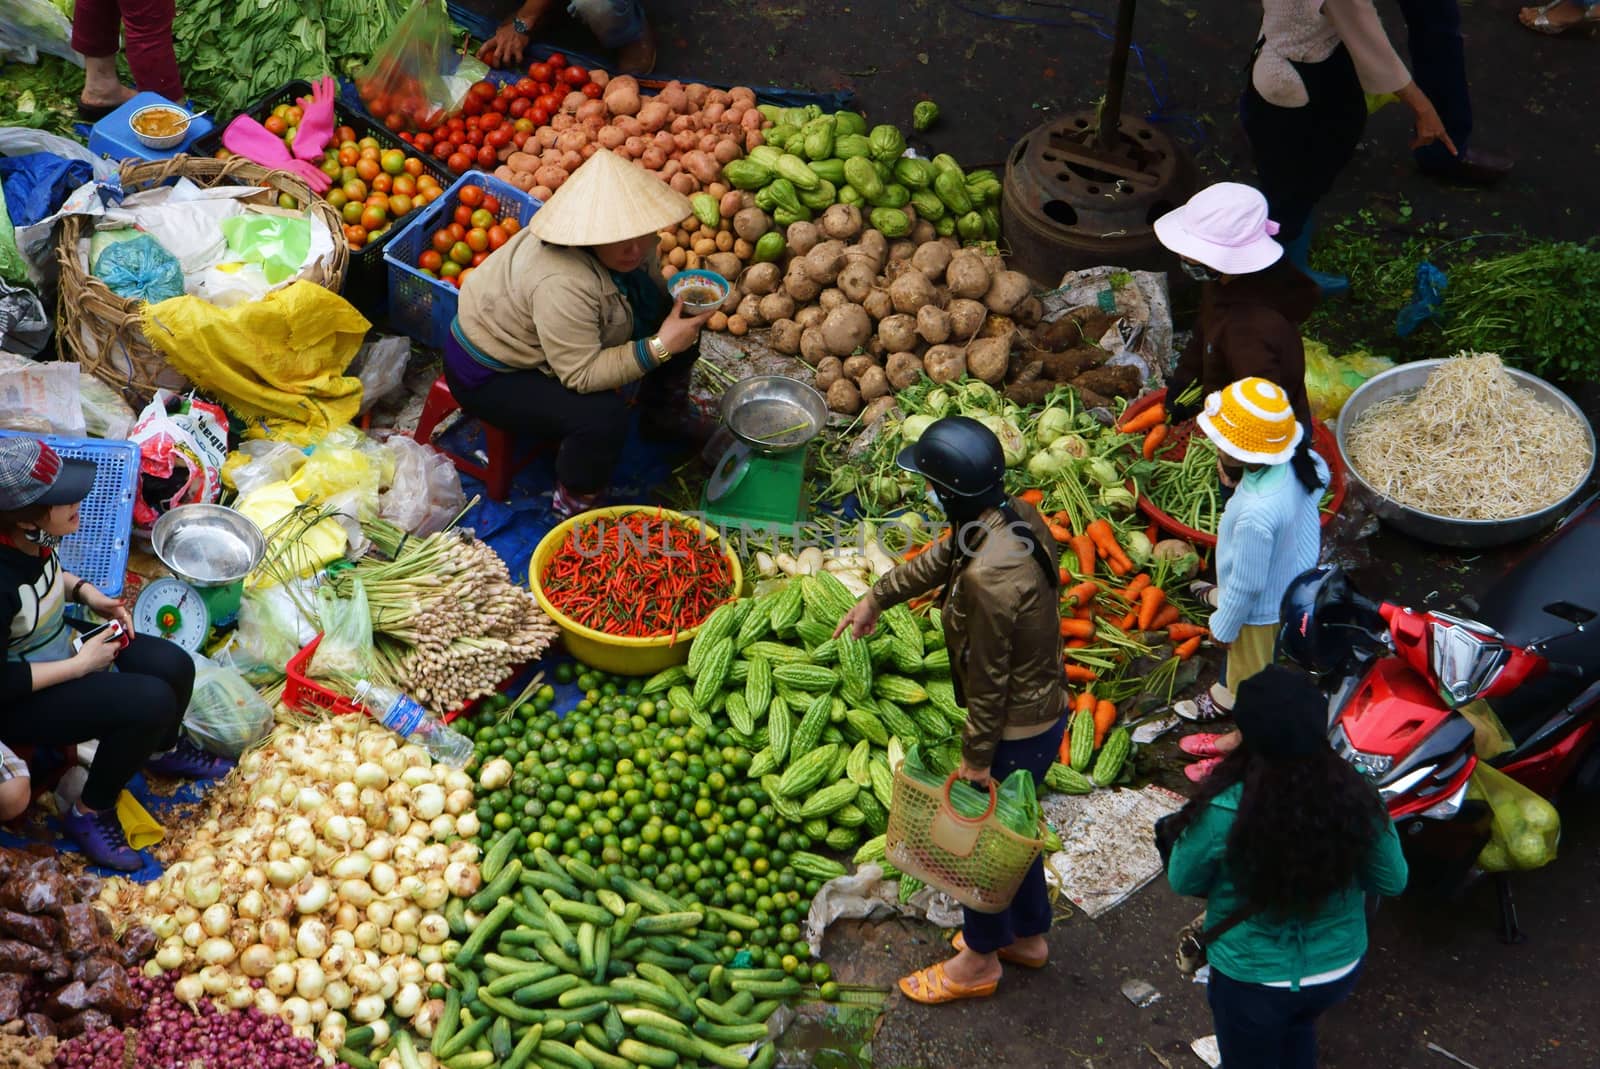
(1225, 227)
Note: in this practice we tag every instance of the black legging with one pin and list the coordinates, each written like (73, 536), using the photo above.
(133, 712)
(592, 427)
(1299, 152)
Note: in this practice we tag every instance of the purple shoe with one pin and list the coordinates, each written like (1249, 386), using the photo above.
(189, 762)
(99, 836)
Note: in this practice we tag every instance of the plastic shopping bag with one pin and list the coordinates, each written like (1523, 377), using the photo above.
(272, 629)
(381, 367)
(226, 716)
(183, 442)
(1525, 828)
(346, 634)
(28, 27)
(278, 243)
(39, 397)
(140, 270)
(415, 75)
(425, 494)
(1330, 380)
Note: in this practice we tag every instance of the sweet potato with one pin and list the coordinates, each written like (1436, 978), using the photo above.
(523, 161)
(1028, 394)
(902, 249)
(810, 316)
(748, 223)
(903, 370)
(1028, 313)
(798, 284)
(878, 304)
(1064, 367)
(725, 264)
(776, 306)
(876, 245)
(802, 237)
(750, 310)
(621, 95)
(1121, 381)
(855, 280)
(856, 365)
(825, 261)
(987, 358)
(945, 363)
(831, 298)
(785, 336)
(842, 222)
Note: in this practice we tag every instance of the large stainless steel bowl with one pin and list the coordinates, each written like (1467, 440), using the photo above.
(773, 413)
(1447, 530)
(207, 545)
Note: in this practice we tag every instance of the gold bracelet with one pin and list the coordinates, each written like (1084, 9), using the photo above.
(658, 348)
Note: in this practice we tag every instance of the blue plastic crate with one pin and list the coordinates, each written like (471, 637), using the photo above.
(98, 551)
(422, 307)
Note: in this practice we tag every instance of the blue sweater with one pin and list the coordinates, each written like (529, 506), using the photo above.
(1269, 533)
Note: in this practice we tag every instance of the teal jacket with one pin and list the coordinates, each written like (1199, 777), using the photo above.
(1264, 949)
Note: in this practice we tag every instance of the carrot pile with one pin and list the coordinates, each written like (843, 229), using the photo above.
(641, 575)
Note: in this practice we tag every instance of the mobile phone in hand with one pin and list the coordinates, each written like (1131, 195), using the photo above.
(112, 626)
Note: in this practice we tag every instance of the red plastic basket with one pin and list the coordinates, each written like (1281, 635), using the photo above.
(1322, 440)
(302, 695)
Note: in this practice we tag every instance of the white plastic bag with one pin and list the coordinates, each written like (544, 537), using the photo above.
(226, 716)
(181, 454)
(381, 367)
(272, 629)
(270, 462)
(28, 27)
(425, 494)
(105, 413)
(40, 398)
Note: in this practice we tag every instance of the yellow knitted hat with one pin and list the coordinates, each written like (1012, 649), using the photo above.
(1253, 422)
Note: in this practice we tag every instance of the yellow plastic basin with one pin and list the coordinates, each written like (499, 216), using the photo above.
(619, 654)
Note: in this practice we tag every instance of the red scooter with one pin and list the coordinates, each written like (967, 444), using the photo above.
(1397, 678)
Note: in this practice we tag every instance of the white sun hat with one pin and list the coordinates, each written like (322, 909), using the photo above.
(1225, 227)
(608, 199)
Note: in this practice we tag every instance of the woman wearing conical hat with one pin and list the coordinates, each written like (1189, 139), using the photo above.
(555, 328)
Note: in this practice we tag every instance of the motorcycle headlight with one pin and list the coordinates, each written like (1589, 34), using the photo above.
(1373, 766)
(1466, 658)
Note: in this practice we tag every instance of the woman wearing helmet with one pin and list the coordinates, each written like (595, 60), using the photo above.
(998, 570)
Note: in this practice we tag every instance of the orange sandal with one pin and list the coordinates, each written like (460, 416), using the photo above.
(1006, 954)
(933, 986)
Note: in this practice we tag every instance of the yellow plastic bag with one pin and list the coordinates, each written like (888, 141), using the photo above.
(1524, 827)
(1330, 380)
(282, 357)
(313, 550)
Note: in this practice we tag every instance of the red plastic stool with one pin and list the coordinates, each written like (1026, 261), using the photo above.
(504, 464)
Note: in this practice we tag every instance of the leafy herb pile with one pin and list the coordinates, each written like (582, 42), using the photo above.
(232, 53)
(1528, 300)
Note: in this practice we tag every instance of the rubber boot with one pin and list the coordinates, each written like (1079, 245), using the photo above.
(1296, 252)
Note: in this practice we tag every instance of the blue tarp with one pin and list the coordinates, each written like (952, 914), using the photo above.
(36, 184)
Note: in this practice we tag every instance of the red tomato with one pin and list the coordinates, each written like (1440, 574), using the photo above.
(519, 107)
(556, 61)
(475, 123)
(405, 135)
(592, 91)
(499, 138)
(472, 197)
(574, 76)
(457, 232)
(472, 106)
(539, 115)
(549, 103)
(442, 150)
(431, 260)
(510, 225)
(457, 123)
(459, 161)
(491, 204)
(520, 138)
(424, 142)
(484, 90)
(461, 279)
(497, 237)
(539, 72)
(488, 156)
(442, 240)
(462, 215)
(477, 258)
(527, 87)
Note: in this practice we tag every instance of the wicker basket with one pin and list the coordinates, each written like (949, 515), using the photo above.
(102, 332)
(977, 861)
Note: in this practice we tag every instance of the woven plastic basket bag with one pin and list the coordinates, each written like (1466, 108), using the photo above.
(978, 861)
(101, 330)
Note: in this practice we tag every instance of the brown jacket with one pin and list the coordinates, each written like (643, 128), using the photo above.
(554, 309)
(1249, 326)
(1003, 627)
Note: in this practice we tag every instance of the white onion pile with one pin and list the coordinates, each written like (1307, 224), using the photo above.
(316, 887)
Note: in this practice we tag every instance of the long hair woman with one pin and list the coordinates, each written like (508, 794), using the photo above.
(1284, 840)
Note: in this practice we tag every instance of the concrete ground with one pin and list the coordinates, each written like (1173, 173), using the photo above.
(1437, 972)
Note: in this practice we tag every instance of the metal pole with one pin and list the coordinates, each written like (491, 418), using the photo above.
(1111, 112)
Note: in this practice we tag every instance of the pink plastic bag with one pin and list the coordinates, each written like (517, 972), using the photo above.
(183, 442)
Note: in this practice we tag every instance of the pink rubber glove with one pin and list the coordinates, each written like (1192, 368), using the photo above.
(248, 138)
(316, 124)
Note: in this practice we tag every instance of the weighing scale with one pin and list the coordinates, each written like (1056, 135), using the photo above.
(209, 549)
(760, 480)
(173, 610)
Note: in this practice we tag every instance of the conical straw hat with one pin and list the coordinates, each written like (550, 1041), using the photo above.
(608, 199)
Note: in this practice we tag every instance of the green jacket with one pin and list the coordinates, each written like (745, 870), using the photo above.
(1264, 949)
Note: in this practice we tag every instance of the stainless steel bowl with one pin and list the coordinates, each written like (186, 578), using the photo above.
(207, 545)
(1447, 530)
(773, 413)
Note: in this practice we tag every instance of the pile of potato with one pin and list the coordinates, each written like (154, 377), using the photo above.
(873, 315)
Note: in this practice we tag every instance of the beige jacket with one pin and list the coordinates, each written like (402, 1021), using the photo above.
(1308, 31)
(1002, 623)
(554, 309)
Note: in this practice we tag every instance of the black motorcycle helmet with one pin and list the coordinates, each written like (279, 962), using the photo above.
(961, 458)
(1326, 620)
